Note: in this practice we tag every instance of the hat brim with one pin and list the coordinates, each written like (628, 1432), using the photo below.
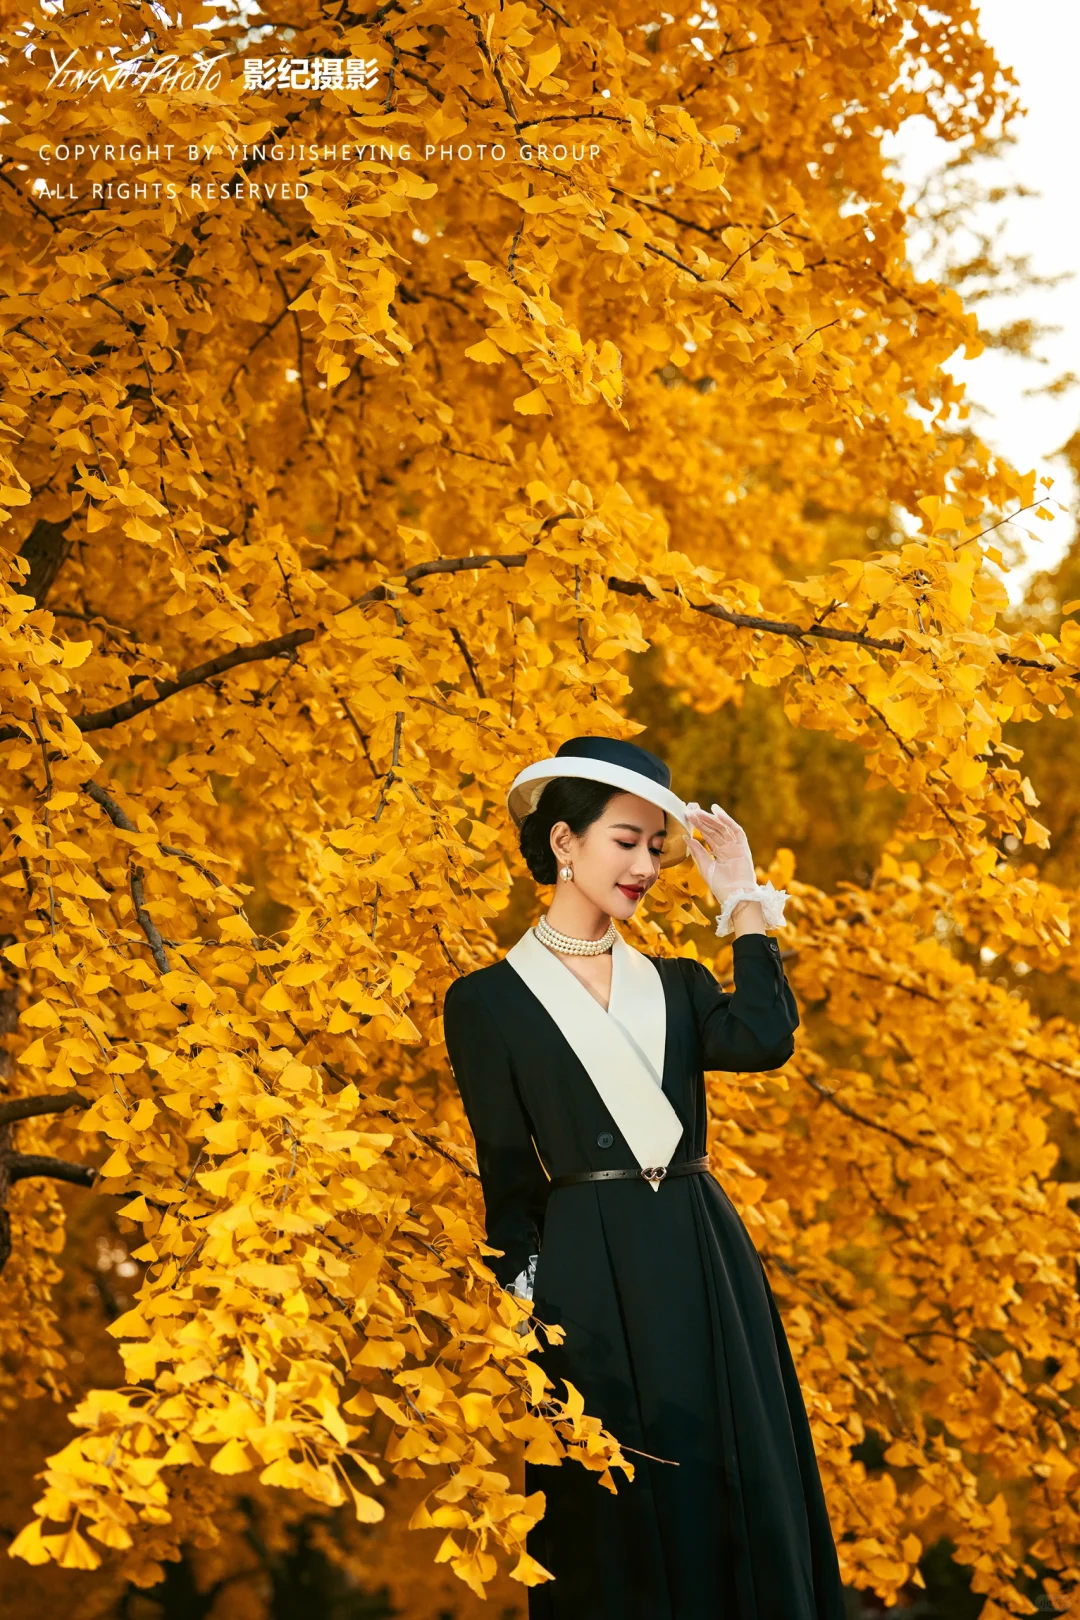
(527, 786)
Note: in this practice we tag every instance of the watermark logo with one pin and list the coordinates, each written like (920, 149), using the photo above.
(310, 73)
(166, 74)
(142, 73)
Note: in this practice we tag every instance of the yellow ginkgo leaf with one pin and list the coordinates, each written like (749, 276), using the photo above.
(542, 65)
(534, 403)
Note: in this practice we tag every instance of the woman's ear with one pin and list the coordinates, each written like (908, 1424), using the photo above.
(560, 840)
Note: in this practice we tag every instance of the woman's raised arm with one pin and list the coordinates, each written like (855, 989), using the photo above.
(750, 1029)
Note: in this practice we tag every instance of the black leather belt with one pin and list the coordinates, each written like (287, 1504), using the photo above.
(689, 1167)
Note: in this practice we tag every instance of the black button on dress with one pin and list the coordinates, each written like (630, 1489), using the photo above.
(672, 1333)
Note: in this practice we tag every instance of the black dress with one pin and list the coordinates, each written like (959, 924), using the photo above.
(672, 1333)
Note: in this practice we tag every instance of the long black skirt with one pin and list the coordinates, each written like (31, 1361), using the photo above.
(674, 1339)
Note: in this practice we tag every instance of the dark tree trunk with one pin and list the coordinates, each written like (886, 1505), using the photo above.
(15, 1166)
(46, 549)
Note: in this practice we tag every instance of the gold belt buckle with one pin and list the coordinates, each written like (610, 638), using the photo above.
(655, 1172)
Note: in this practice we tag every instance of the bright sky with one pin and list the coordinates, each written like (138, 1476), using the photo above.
(1040, 40)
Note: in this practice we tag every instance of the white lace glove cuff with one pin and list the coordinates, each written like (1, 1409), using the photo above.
(522, 1284)
(772, 906)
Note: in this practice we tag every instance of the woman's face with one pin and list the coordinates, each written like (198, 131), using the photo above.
(617, 857)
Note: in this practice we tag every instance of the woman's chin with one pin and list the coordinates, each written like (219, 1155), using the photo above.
(624, 905)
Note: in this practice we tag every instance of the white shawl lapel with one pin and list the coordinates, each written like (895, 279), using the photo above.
(622, 1050)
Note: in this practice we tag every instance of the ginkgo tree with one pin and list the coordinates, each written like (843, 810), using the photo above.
(326, 510)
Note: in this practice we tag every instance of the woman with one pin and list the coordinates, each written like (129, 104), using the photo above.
(580, 1063)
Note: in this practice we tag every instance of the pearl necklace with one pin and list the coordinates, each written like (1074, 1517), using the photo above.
(574, 947)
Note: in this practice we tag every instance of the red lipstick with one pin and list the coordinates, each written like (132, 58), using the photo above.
(630, 893)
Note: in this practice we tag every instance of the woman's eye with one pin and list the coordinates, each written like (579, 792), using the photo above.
(622, 845)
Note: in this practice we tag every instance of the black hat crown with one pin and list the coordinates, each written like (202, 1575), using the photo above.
(626, 754)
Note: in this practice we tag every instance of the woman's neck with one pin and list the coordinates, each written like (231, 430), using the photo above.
(572, 914)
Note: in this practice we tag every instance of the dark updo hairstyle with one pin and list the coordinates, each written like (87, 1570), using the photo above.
(565, 798)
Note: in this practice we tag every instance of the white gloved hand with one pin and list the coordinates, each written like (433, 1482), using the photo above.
(726, 864)
(522, 1284)
(522, 1288)
(724, 859)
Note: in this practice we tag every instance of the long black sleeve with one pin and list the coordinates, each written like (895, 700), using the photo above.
(513, 1180)
(752, 1028)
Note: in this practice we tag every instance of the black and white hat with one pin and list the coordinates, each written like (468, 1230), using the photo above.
(621, 765)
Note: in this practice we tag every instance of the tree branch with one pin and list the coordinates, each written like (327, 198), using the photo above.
(127, 710)
(28, 1107)
(138, 897)
(21, 1166)
(283, 646)
(469, 662)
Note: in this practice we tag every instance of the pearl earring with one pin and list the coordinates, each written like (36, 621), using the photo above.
(566, 873)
